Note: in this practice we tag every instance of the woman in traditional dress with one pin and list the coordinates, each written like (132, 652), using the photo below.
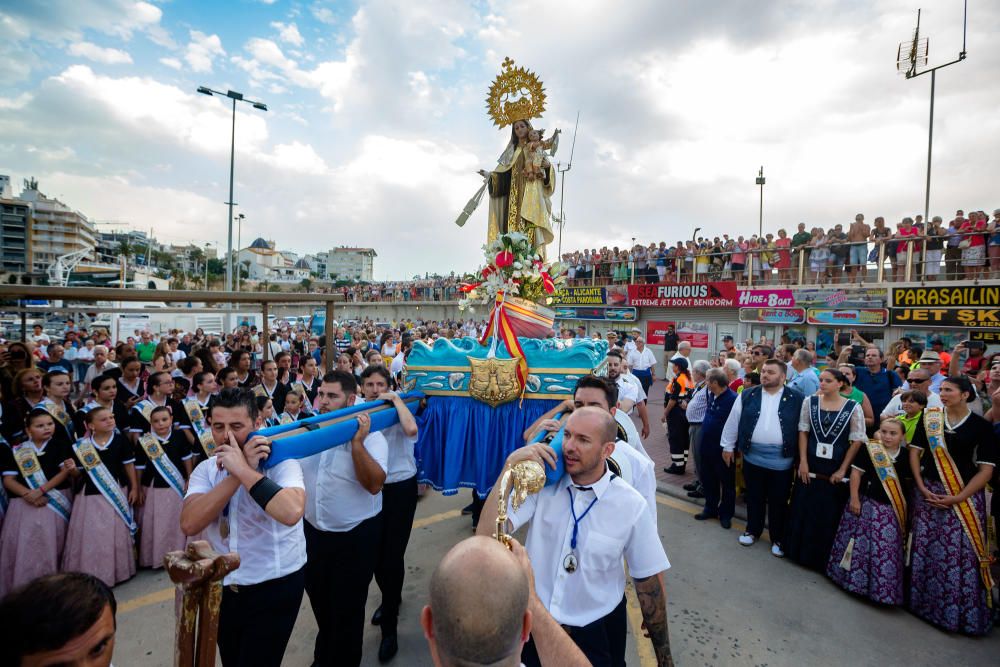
(58, 385)
(164, 482)
(99, 541)
(510, 210)
(28, 393)
(674, 412)
(104, 389)
(867, 556)
(951, 458)
(34, 528)
(831, 430)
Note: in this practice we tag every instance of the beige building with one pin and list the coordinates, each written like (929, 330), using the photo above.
(56, 229)
(263, 262)
(351, 264)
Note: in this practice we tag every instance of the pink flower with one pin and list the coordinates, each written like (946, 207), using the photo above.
(504, 259)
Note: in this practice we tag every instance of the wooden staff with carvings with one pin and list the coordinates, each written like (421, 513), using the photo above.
(198, 574)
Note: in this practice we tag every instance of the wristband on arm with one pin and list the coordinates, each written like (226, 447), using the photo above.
(263, 490)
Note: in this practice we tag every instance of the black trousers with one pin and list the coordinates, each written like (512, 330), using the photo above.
(256, 621)
(603, 641)
(399, 504)
(338, 572)
(716, 475)
(767, 492)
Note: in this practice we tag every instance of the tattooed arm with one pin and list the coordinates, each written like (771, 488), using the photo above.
(653, 602)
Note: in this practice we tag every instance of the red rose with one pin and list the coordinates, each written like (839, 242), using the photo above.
(504, 258)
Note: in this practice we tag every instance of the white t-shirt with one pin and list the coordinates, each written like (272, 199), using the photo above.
(637, 469)
(335, 500)
(631, 431)
(268, 549)
(641, 361)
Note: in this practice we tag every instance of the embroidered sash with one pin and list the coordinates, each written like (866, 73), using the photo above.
(197, 417)
(299, 387)
(105, 482)
(889, 478)
(168, 471)
(145, 408)
(261, 390)
(285, 418)
(58, 412)
(953, 484)
(829, 436)
(31, 470)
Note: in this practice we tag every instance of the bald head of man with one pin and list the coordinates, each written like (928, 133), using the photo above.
(478, 612)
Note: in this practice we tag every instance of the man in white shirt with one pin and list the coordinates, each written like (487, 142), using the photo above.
(399, 504)
(577, 547)
(343, 526)
(630, 392)
(918, 380)
(642, 361)
(259, 516)
(628, 461)
(763, 423)
(100, 366)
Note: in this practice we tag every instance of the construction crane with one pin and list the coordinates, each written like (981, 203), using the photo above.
(60, 270)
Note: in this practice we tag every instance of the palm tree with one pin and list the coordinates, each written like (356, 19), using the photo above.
(125, 248)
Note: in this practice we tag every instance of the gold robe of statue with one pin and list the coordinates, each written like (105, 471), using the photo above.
(518, 204)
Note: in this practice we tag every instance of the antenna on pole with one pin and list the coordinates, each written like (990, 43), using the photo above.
(562, 186)
(916, 56)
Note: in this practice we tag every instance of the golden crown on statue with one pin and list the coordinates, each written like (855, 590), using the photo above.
(516, 94)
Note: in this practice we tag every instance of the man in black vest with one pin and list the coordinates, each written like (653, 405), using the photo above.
(764, 425)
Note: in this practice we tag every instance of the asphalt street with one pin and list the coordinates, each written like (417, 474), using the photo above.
(728, 605)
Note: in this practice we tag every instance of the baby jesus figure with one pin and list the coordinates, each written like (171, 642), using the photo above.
(534, 155)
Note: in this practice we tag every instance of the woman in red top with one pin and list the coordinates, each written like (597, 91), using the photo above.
(784, 263)
(906, 230)
(973, 245)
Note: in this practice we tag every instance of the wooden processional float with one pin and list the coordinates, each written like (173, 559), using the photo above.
(198, 571)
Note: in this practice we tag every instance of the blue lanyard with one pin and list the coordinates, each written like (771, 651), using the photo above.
(576, 521)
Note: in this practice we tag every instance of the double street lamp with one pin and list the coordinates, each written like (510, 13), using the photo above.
(235, 97)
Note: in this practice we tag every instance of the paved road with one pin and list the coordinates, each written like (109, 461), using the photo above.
(729, 605)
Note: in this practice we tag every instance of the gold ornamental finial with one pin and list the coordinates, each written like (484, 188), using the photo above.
(516, 94)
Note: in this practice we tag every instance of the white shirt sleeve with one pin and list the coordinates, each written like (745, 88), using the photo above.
(804, 421)
(201, 478)
(644, 552)
(288, 474)
(627, 392)
(858, 431)
(730, 431)
(378, 448)
(522, 514)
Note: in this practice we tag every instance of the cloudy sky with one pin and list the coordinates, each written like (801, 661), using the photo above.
(376, 123)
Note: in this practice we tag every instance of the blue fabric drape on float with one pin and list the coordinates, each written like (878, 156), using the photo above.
(463, 442)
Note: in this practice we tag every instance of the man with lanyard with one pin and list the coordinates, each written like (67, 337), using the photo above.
(876, 382)
(642, 361)
(258, 515)
(579, 531)
(159, 388)
(764, 425)
(270, 387)
(399, 504)
(343, 526)
(630, 393)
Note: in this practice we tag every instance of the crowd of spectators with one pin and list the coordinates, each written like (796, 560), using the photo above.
(965, 247)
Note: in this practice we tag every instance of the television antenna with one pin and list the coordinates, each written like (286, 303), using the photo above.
(913, 54)
(562, 187)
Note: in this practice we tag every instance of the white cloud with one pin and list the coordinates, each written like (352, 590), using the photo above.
(202, 50)
(298, 157)
(172, 63)
(288, 33)
(323, 14)
(99, 54)
(14, 103)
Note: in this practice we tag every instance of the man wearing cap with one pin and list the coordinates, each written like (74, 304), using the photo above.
(937, 344)
(930, 361)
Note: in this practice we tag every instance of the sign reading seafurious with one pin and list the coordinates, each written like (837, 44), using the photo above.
(684, 295)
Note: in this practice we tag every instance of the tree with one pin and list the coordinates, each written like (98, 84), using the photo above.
(274, 288)
(306, 284)
(216, 267)
(125, 248)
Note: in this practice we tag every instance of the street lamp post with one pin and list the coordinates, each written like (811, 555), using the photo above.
(239, 244)
(235, 97)
(760, 182)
